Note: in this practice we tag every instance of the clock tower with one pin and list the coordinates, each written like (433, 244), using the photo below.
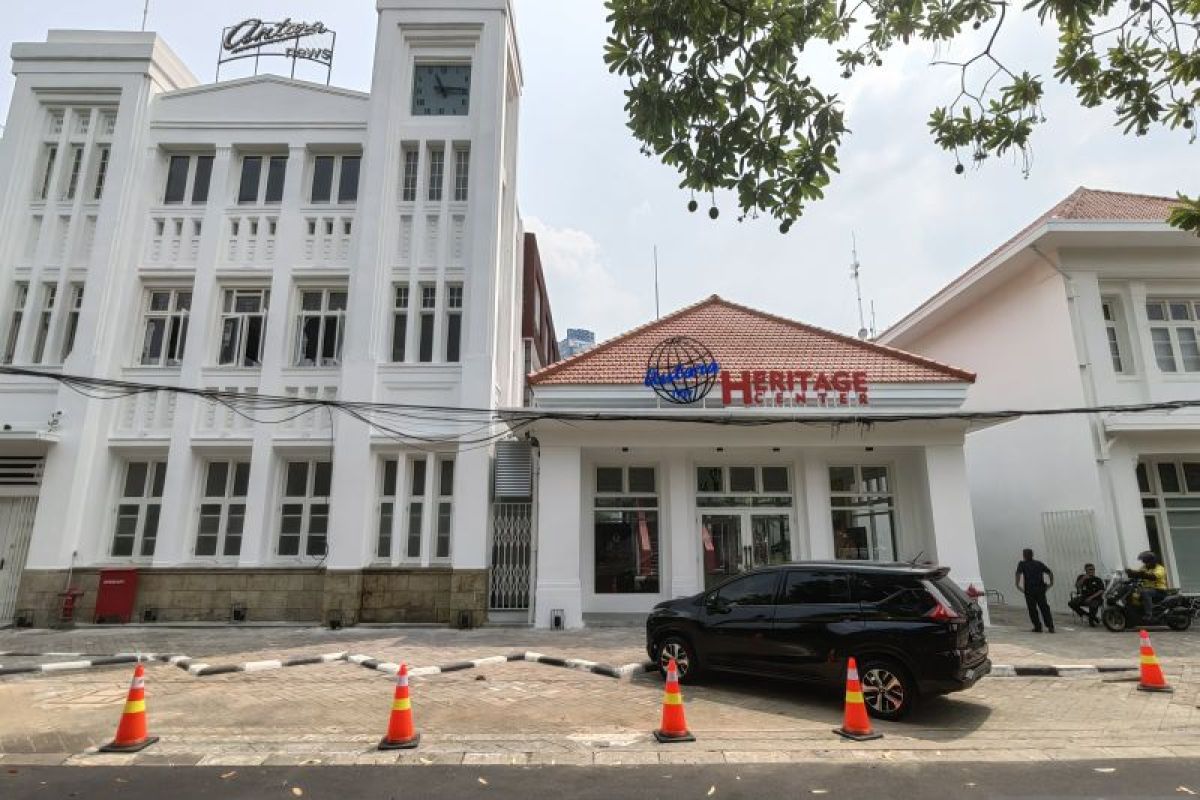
(439, 254)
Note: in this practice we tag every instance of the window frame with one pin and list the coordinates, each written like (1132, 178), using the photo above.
(1120, 355)
(337, 179)
(427, 322)
(410, 172)
(243, 322)
(462, 173)
(193, 179)
(861, 491)
(171, 315)
(435, 183)
(307, 503)
(385, 521)
(266, 170)
(625, 501)
(1172, 327)
(71, 326)
(20, 299)
(225, 503)
(452, 330)
(400, 317)
(325, 313)
(45, 320)
(152, 491)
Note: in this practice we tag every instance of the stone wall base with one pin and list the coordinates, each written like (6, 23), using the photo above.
(309, 595)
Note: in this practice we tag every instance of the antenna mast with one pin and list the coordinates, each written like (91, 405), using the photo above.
(854, 267)
(656, 312)
(145, 13)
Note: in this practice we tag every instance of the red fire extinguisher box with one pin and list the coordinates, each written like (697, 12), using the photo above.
(116, 595)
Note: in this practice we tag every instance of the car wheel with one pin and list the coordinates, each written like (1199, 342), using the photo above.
(1180, 621)
(888, 690)
(1114, 619)
(681, 650)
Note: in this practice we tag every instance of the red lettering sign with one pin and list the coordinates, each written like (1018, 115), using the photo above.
(794, 388)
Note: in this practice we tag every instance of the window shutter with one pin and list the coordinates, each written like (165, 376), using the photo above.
(514, 469)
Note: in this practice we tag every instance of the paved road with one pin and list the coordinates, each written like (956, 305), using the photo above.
(1146, 780)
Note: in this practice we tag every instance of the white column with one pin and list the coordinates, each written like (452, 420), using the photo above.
(560, 481)
(950, 510)
(802, 535)
(684, 564)
(1128, 535)
(472, 504)
(816, 497)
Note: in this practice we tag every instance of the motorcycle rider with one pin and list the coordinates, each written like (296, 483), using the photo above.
(1154, 582)
(1089, 592)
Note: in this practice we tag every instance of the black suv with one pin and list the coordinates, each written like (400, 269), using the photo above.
(912, 630)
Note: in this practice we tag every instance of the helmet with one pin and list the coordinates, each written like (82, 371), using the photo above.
(1147, 557)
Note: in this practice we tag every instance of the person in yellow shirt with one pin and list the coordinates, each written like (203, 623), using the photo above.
(1154, 582)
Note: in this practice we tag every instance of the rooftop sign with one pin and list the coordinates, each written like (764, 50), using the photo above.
(298, 41)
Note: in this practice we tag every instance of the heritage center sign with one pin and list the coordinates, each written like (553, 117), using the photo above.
(683, 371)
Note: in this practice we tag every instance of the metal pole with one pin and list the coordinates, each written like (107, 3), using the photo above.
(657, 315)
(145, 13)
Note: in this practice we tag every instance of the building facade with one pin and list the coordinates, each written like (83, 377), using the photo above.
(579, 340)
(1096, 303)
(720, 438)
(263, 236)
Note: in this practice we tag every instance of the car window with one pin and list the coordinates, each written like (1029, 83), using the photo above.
(752, 590)
(816, 587)
(898, 595)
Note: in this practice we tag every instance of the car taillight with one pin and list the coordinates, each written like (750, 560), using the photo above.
(941, 613)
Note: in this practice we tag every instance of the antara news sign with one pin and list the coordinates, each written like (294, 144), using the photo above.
(683, 371)
(297, 41)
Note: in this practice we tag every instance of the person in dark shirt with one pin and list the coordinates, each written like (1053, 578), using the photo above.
(1089, 593)
(1031, 580)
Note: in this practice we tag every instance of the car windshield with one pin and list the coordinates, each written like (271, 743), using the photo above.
(953, 593)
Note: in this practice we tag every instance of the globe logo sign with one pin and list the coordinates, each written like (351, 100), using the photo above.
(681, 370)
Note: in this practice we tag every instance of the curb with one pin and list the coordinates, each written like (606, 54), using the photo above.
(64, 666)
(1051, 670)
(596, 668)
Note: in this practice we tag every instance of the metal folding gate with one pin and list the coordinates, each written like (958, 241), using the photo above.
(16, 528)
(512, 556)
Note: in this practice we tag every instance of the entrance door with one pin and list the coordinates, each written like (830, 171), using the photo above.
(16, 527)
(737, 541)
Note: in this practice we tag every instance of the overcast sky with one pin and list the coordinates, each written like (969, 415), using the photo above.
(599, 207)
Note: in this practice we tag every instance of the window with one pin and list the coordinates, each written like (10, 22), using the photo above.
(72, 320)
(454, 298)
(243, 323)
(1110, 311)
(625, 522)
(335, 176)
(319, 327)
(257, 188)
(20, 296)
(462, 167)
(49, 293)
(445, 507)
(428, 305)
(416, 506)
(182, 170)
(138, 509)
(1173, 334)
(387, 506)
(304, 516)
(51, 154)
(804, 588)
(437, 172)
(76, 167)
(165, 322)
(103, 153)
(223, 508)
(738, 486)
(399, 323)
(863, 512)
(752, 590)
(408, 186)
(894, 596)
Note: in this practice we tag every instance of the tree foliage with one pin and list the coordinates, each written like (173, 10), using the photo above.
(718, 90)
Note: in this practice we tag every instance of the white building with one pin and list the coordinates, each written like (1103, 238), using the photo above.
(809, 445)
(259, 235)
(1097, 302)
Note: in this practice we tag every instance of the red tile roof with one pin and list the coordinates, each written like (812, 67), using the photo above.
(742, 338)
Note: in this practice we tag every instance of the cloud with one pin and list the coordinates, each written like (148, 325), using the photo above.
(584, 291)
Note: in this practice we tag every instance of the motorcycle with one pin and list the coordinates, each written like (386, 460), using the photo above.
(1123, 605)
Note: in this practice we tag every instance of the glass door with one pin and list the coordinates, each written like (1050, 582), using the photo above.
(721, 544)
(770, 539)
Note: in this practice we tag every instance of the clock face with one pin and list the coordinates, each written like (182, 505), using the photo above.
(441, 90)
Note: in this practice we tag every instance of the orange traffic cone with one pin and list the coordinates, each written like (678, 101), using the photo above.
(856, 724)
(1152, 678)
(131, 731)
(674, 726)
(400, 732)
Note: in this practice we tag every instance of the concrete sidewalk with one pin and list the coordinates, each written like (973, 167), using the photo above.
(527, 713)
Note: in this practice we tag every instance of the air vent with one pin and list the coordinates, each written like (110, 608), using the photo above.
(21, 471)
(514, 469)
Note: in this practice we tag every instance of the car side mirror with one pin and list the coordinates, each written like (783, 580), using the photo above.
(715, 605)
